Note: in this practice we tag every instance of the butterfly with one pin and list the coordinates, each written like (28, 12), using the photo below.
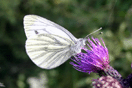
(48, 44)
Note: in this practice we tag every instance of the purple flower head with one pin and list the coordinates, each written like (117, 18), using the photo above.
(94, 59)
(106, 82)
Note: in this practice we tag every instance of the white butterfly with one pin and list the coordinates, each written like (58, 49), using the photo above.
(49, 45)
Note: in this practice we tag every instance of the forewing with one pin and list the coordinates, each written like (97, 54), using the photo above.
(48, 51)
(34, 25)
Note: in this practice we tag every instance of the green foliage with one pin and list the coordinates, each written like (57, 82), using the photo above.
(80, 17)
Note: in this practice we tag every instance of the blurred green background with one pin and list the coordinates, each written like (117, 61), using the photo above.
(80, 17)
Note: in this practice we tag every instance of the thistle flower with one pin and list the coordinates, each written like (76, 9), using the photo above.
(129, 79)
(106, 82)
(94, 60)
(127, 82)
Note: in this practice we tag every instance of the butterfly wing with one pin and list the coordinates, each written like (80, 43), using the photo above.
(48, 51)
(48, 45)
(34, 25)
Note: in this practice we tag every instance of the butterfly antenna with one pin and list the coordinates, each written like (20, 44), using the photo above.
(93, 32)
